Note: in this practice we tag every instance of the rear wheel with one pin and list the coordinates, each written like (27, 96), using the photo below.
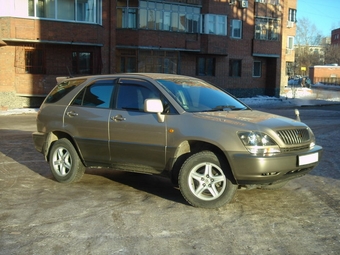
(65, 163)
(203, 181)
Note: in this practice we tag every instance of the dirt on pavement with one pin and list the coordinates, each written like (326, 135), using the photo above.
(112, 212)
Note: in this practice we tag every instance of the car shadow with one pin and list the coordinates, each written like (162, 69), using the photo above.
(17, 146)
(156, 185)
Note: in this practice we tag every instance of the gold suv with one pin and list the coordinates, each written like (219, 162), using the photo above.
(205, 140)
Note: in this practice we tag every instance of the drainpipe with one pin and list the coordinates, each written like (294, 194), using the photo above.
(110, 35)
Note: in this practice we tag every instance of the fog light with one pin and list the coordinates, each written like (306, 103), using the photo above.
(270, 174)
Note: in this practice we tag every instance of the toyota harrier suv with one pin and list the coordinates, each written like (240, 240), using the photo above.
(204, 139)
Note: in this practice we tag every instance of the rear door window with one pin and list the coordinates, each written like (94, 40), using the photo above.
(98, 94)
(62, 90)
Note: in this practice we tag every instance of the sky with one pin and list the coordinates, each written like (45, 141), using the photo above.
(324, 14)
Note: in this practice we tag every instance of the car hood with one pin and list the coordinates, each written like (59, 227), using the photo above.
(249, 118)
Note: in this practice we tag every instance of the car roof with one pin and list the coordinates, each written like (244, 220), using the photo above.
(132, 75)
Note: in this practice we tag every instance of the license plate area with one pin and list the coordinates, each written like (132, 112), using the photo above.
(308, 159)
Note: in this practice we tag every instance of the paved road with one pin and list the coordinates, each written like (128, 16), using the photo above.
(111, 212)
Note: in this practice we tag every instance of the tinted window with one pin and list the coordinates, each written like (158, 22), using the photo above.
(131, 97)
(98, 94)
(62, 89)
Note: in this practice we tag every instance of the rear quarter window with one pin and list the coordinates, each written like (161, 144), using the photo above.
(62, 89)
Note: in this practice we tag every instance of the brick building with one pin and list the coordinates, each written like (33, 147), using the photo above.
(328, 74)
(243, 46)
(335, 36)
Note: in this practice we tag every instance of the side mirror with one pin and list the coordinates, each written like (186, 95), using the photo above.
(154, 106)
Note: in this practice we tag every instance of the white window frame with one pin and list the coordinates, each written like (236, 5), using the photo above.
(290, 42)
(236, 24)
(214, 24)
(77, 11)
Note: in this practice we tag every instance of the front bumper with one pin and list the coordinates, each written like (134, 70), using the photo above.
(253, 169)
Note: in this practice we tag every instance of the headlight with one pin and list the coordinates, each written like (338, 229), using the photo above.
(259, 143)
(312, 138)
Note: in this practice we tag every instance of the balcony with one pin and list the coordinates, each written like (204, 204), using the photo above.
(152, 39)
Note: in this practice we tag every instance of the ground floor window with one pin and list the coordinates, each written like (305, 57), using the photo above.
(157, 61)
(30, 59)
(235, 66)
(289, 68)
(127, 61)
(149, 61)
(205, 66)
(82, 62)
(34, 61)
(257, 69)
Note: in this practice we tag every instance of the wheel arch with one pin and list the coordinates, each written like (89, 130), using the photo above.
(190, 147)
(57, 135)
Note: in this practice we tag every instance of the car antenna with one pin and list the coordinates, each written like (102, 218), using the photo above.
(68, 70)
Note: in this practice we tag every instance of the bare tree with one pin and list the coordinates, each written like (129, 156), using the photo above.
(306, 54)
(332, 54)
(307, 33)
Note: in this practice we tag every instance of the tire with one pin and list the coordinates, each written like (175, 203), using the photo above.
(65, 163)
(274, 186)
(203, 181)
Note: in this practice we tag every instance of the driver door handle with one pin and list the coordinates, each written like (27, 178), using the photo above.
(118, 118)
(72, 114)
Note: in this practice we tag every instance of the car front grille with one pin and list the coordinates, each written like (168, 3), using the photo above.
(294, 136)
(295, 148)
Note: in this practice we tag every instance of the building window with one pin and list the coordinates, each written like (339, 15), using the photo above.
(292, 15)
(88, 11)
(267, 29)
(30, 60)
(158, 16)
(235, 66)
(128, 61)
(127, 13)
(157, 61)
(257, 69)
(34, 61)
(290, 42)
(236, 29)
(214, 24)
(205, 66)
(82, 63)
(289, 68)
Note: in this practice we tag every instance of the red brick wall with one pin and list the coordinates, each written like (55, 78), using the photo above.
(32, 29)
(7, 73)
(335, 39)
(319, 73)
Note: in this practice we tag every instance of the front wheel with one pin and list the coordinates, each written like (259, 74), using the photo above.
(203, 181)
(65, 163)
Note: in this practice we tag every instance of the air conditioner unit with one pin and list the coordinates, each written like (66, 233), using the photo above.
(290, 24)
(244, 4)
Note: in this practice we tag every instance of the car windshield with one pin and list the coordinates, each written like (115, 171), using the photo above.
(198, 96)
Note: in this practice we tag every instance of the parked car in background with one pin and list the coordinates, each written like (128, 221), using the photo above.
(299, 81)
(204, 139)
